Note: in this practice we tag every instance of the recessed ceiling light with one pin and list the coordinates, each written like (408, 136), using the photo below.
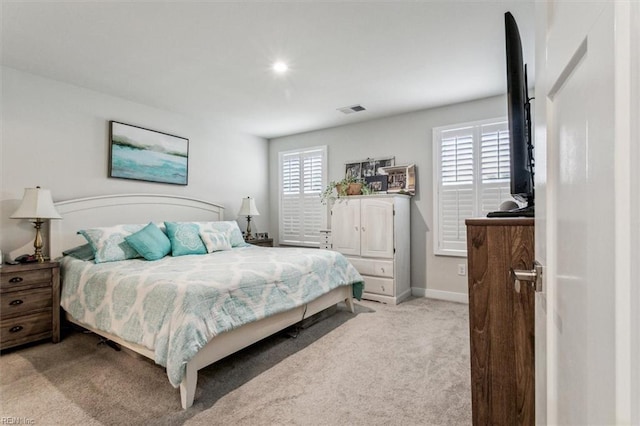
(280, 67)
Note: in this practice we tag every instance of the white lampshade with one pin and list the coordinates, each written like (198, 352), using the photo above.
(248, 208)
(36, 204)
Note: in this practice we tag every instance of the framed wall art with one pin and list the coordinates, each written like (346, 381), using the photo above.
(377, 183)
(367, 168)
(401, 179)
(141, 154)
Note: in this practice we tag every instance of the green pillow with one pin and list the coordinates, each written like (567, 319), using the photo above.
(185, 238)
(150, 242)
(83, 252)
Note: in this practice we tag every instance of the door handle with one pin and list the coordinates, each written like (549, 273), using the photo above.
(531, 276)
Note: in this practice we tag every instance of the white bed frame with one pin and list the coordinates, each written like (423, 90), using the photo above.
(143, 208)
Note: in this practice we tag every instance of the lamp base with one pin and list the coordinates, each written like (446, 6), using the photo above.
(247, 235)
(37, 243)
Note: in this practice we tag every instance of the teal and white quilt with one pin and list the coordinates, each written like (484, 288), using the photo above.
(175, 305)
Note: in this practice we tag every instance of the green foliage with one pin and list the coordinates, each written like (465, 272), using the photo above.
(338, 188)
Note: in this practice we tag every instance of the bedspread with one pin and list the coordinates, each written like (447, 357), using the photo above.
(175, 305)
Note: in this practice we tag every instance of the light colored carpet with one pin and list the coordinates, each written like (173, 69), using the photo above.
(383, 365)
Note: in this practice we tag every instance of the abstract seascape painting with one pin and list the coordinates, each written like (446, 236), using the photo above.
(142, 154)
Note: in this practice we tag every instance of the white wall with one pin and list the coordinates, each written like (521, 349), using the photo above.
(408, 137)
(55, 135)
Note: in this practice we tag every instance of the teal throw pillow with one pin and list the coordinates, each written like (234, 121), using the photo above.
(83, 252)
(150, 242)
(185, 238)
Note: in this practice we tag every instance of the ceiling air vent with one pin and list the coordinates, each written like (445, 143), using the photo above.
(351, 109)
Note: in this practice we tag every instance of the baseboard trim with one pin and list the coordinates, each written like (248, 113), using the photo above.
(449, 296)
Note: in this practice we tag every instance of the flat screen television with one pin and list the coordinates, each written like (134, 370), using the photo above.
(519, 114)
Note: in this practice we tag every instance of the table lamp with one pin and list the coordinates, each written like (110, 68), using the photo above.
(248, 209)
(36, 206)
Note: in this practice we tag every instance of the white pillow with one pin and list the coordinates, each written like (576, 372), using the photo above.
(108, 243)
(215, 240)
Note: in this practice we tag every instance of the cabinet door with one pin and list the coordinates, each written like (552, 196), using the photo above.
(376, 220)
(345, 226)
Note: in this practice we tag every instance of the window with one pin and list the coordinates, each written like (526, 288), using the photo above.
(303, 176)
(471, 178)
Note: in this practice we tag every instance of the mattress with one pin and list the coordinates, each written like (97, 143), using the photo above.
(174, 306)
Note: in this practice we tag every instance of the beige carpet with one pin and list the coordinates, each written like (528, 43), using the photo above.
(384, 365)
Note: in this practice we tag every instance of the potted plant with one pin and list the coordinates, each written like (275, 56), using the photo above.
(341, 188)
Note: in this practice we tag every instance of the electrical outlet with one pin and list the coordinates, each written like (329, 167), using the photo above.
(462, 269)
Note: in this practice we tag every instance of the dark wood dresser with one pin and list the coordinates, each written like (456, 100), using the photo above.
(29, 303)
(501, 321)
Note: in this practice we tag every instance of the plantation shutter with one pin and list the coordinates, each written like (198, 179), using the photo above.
(456, 187)
(494, 171)
(302, 178)
(471, 178)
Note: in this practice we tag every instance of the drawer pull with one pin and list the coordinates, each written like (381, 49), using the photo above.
(16, 302)
(15, 329)
(16, 280)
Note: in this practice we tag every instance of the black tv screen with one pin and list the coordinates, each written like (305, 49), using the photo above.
(519, 114)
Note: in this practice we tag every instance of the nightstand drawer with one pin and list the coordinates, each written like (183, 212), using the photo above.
(11, 280)
(15, 331)
(20, 302)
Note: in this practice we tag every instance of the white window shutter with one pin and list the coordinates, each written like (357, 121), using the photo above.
(471, 178)
(302, 215)
(495, 186)
(456, 205)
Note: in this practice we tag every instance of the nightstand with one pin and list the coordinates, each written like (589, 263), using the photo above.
(325, 239)
(265, 242)
(29, 303)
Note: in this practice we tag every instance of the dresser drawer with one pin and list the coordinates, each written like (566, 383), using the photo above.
(378, 285)
(18, 303)
(27, 328)
(13, 279)
(378, 268)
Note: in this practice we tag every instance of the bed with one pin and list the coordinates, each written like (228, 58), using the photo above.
(187, 312)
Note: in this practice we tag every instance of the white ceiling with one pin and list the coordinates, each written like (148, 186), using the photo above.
(212, 59)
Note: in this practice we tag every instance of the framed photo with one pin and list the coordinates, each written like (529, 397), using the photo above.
(352, 170)
(366, 168)
(377, 183)
(142, 154)
(401, 179)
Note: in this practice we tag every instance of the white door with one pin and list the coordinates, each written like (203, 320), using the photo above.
(376, 226)
(345, 226)
(583, 361)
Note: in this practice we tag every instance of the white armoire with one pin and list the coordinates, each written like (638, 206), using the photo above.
(373, 232)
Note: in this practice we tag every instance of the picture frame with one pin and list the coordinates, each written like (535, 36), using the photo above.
(367, 168)
(352, 170)
(378, 184)
(401, 179)
(137, 153)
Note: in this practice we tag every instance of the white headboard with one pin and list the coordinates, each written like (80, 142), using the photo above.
(111, 210)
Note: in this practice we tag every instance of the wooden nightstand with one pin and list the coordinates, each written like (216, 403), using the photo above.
(265, 242)
(29, 303)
